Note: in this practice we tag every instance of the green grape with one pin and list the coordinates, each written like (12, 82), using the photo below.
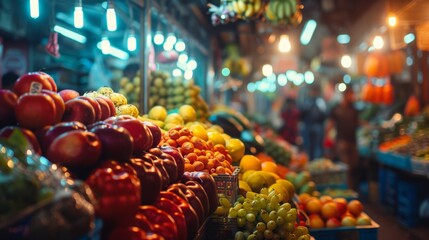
(250, 195)
(251, 237)
(239, 235)
(268, 234)
(247, 206)
(271, 194)
(246, 234)
(269, 208)
(271, 225)
(250, 217)
(263, 202)
(256, 204)
(238, 206)
(274, 200)
(225, 202)
(289, 226)
(241, 213)
(241, 221)
(304, 237)
(264, 191)
(280, 221)
(286, 206)
(232, 213)
(240, 199)
(291, 215)
(300, 230)
(292, 236)
(264, 215)
(273, 215)
(282, 212)
(260, 227)
(253, 211)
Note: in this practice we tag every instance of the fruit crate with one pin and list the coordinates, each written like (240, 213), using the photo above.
(347, 233)
(228, 184)
(395, 160)
(388, 182)
(409, 199)
(331, 177)
(220, 228)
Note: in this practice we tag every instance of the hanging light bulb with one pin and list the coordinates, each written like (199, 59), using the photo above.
(180, 46)
(105, 45)
(78, 14)
(284, 44)
(34, 9)
(378, 42)
(158, 39)
(131, 42)
(392, 20)
(192, 64)
(111, 17)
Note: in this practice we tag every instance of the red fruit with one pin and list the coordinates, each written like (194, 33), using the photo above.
(193, 200)
(116, 142)
(94, 103)
(150, 179)
(59, 104)
(333, 223)
(162, 222)
(355, 207)
(8, 101)
(32, 82)
(29, 135)
(156, 133)
(68, 94)
(199, 191)
(35, 110)
(79, 110)
(180, 162)
(341, 205)
(50, 80)
(207, 181)
(176, 213)
(111, 106)
(75, 148)
(168, 162)
(58, 129)
(104, 107)
(330, 210)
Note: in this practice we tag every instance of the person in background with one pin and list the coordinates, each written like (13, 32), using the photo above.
(313, 113)
(8, 80)
(344, 118)
(290, 117)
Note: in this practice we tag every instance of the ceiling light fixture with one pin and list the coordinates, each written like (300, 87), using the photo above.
(308, 32)
(378, 42)
(131, 41)
(34, 9)
(346, 61)
(104, 45)
(111, 17)
(70, 34)
(343, 38)
(78, 14)
(284, 44)
(392, 21)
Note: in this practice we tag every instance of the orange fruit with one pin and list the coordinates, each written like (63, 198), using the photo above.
(313, 205)
(250, 162)
(329, 210)
(269, 167)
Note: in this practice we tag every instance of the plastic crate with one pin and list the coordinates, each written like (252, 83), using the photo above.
(409, 199)
(220, 228)
(347, 233)
(228, 184)
(395, 160)
(388, 181)
(329, 177)
(419, 166)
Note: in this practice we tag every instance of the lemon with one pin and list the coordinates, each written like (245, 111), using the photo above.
(199, 131)
(236, 149)
(215, 128)
(267, 176)
(188, 113)
(157, 113)
(244, 185)
(288, 185)
(247, 174)
(226, 136)
(249, 162)
(216, 138)
(174, 118)
(257, 182)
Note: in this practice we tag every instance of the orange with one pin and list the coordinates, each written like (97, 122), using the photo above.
(269, 167)
(329, 210)
(250, 162)
(313, 205)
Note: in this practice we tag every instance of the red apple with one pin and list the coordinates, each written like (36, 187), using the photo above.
(95, 105)
(32, 82)
(168, 162)
(35, 110)
(75, 148)
(8, 101)
(116, 142)
(59, 104)
(68, 94)
(207, 181)
(180, 162)
(54, 131)
(79, 110)
(29, 135)
(176, 213)
(193, 200)
(50, 80)
(341, 205)
(104, 107)
(150, 179)
(159, 163)
(111, 106)
(141, 135)
(199, 191)
(333, 223)
(156, 133)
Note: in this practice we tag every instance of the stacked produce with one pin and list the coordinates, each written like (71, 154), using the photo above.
(328, 212)
(302, 182)
(279, 152)
(131, 89)
(117, 156)
(246, 9)
(284, 12)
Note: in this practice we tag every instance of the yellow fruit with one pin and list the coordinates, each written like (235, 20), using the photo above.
(117, 98)
(269, 167)
(249, 162)
(267, 176)
(217, 128)
(236, 149)
(280, 190)
(276, 177)
(105, 91)
(127, 109)
(169, 126)
(174, 118)
(226, 137)
(247, 174)
(216, 138)
(288, 185)
(257, 182)
(188, 113)
(244, 185)
(200, 132)
(157, 113)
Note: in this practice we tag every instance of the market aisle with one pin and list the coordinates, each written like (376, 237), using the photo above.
(390, 228)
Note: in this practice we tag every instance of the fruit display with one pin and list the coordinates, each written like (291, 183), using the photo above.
(284, 12)
(278, 151)
(302, 182)
(246, 9)
(323, 164)
(330, 212)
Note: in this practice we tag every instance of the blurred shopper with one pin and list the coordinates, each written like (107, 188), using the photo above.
(344, 119)
(290, 118)
(313, 113)
(8, 80)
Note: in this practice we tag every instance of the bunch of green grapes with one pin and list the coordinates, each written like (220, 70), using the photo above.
(224, 206)
(263, 216)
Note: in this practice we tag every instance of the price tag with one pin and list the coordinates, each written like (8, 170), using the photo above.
(35, 87)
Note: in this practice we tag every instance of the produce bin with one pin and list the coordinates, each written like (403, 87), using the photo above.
(395, 160)
(347, 233)
(331, 177)
(228, 184)
(220, 228)
(420, 166)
